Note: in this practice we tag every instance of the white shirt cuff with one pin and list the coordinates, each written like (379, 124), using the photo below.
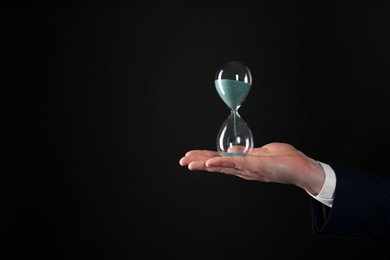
(327, 192)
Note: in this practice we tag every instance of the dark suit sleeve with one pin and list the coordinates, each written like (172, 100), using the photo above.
(361, 207)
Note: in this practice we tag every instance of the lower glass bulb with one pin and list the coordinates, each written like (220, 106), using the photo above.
(234, 137)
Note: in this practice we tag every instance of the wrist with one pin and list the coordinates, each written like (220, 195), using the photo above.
(314, 178)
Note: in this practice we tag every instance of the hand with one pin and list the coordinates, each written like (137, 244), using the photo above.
(274, 162)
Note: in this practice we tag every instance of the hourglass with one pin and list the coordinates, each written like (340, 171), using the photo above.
(233, 82)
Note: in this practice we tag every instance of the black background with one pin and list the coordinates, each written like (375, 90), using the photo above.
(100, 100)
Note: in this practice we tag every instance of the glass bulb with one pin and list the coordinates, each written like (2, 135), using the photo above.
(234, 137)
(233, 82)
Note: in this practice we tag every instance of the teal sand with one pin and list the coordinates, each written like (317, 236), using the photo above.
(232, 92)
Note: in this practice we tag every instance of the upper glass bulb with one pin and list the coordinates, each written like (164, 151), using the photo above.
(233, 82)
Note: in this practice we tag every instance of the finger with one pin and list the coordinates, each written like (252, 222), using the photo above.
(224, 170)
(197, 165)
(232, 171)
(184, 161)
(205, 153)
(226, 162)
(201, 165)
(197, 155)
(188, 159)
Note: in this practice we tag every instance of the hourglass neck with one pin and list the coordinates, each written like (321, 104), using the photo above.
(234, 111)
